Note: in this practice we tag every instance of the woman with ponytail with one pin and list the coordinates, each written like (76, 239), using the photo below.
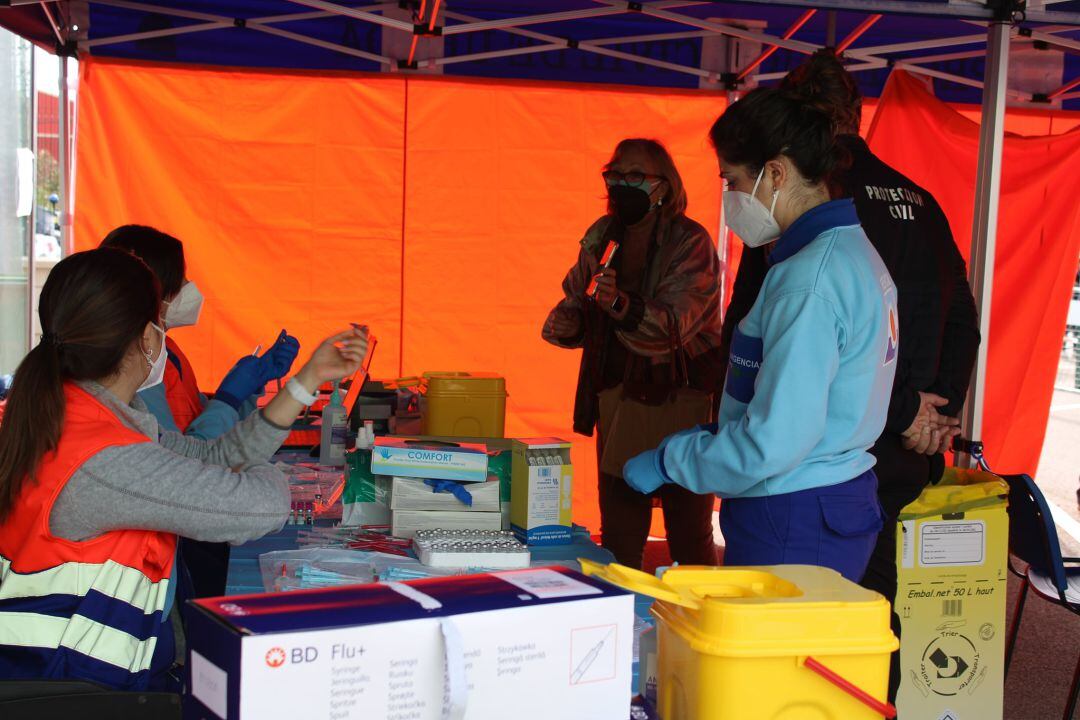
(93, 496)
(937, 315)
(811, 364)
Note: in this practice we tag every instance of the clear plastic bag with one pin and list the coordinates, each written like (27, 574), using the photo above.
(284, 570)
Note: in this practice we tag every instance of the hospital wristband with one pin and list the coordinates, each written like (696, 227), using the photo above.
(299, 394)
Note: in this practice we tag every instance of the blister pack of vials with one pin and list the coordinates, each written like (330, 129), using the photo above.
(488, 549)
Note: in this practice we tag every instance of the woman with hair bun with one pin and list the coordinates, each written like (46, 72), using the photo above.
(812, 363)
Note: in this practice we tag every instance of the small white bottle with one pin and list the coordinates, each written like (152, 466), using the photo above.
(335, 425)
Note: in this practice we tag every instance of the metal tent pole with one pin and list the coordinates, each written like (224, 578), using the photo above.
(984, 227)
(724, 236)
(65, 161)
(31, 251)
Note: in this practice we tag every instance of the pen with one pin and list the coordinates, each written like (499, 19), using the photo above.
(256, 350)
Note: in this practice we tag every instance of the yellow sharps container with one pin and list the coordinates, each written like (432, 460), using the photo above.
(463, 404)
(790, 642)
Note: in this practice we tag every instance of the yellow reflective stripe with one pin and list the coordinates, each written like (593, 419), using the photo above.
(81, 634)
(31, 629)
(131, 586)
(109, 578)
(110, 645)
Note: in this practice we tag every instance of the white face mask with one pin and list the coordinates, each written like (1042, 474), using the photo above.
(185, 308)
(749, 218)
(157, 365)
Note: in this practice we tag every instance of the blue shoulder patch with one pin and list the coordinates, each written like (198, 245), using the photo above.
(744, 363)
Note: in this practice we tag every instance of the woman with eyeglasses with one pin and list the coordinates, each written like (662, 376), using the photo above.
(661, 284)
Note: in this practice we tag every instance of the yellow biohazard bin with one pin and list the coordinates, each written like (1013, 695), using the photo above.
(952, 556)
(462, 404)
(789, 642)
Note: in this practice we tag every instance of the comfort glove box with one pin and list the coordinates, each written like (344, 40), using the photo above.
(402, 457)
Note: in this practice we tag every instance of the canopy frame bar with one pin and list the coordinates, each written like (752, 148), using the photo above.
(325, 44)
(858, 32)
(768, 52)
(985, 219)
(356, 14)
(584, 45)
(871, 57)
(524, 20)
(216, 22)
(52, 22)
(974, 10)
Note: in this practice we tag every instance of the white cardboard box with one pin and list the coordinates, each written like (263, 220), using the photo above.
(532, 644)
(541, 495)
(405, 523)
(414, 494)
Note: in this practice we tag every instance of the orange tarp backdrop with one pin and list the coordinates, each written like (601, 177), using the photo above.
(443, 213)
(1037, 245)
(285, 189)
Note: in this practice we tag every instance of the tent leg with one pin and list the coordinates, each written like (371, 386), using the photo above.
(65, 162)
(31, 250)
(984, 227)
(724, 238)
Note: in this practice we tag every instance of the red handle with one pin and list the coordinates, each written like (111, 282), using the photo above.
(856, 692)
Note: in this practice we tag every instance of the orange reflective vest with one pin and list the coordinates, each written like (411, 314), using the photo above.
(90, 609)
(181, 389)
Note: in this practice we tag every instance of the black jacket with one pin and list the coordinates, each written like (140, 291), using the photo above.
(939, 327)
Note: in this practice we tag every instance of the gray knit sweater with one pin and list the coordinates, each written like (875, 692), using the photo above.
(178, 484)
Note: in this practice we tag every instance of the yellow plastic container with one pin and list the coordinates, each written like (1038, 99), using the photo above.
(952, 560)
(461, 404)
(733, 642)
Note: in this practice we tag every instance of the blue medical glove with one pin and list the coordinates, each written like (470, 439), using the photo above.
(643, 473)
(244, 380)
(278, 360)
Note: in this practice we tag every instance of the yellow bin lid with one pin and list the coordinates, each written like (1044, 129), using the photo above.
(464, 384)
(959, 491)
(762, 611)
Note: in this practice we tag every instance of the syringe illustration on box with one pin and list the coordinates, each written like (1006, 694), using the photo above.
(592, 654)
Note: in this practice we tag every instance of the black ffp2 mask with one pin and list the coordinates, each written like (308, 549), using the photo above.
(631, 204)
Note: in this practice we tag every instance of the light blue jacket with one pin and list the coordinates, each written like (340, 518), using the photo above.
(214, 421)
(810, 370)
(216, 418)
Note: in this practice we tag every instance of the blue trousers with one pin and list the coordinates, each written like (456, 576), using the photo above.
(835, 527)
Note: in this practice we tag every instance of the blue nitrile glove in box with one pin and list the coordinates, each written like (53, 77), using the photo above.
(454, 488)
